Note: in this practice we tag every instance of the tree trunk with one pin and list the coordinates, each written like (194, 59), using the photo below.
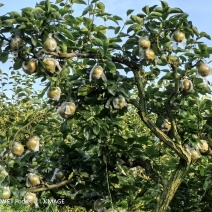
(172, 186)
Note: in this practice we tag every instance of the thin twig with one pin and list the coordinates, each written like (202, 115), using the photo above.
(50, 187)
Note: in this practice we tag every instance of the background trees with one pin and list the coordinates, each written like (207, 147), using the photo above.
(134, 101)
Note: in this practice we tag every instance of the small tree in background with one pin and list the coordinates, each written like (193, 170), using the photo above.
(136, 118)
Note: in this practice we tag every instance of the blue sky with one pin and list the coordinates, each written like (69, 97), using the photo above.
(199, 11)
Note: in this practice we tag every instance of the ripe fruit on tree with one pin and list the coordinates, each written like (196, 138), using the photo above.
(5, 193)
(3, 173)
(97, 72)
(33, 143)
(17, 149)
(166, 125)
(67, 109)
(15, 43)
(203, 146)
(119, 102)
(144, 43)
(54, 93)
(50, 64)
(194, 154)
(178, 36)
(29, 67)
(186, 85)
(149, 54)
(30, 198)
(32, 180)
(203, 69)
(50, 44)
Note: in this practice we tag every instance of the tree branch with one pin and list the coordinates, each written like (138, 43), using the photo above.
(169, 109)
(129, 63)
(178, 148)
(70, 55)
(50, 187)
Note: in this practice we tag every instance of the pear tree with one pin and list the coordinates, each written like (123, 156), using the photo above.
(133, 96)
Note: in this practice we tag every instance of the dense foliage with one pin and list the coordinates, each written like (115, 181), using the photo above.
(127, 117)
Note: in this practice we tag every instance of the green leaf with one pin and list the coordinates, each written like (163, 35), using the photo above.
(206, 184)
(146, 10)
(96, 129)
(94, 1)
(195, 30)
(155, 14)
(87, 9)
(80, 2)
(175, 10)
(63, 127)
(129, 12)
(67, 33)
(22, 19)
(101, 6)
(134, 27)
(84, 90)
(58, 1)
(124, 91)
(117, 29)
(209, 49)
(137, 19)
(28, 14)
(87, 133)
(87, 21)
(110, 66)
(114, 46)
(71, 176)
(98, 41)
(152, 8)
(202, 46)
(159, 9)
(14, 14)
(118, 18)
(4, 57)
(48, 6)
(34, 41)
(17, 65)
(142, 139)
(1, 4)
(164, 4)
(204, 34)
(202, 171)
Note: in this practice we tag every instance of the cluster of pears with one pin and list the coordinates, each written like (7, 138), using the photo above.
(66, 109)
(196, 151)
(17, 150)
(145, 50)
(32, 144)
(30, 66)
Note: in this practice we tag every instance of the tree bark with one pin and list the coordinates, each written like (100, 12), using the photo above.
(172, 186)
